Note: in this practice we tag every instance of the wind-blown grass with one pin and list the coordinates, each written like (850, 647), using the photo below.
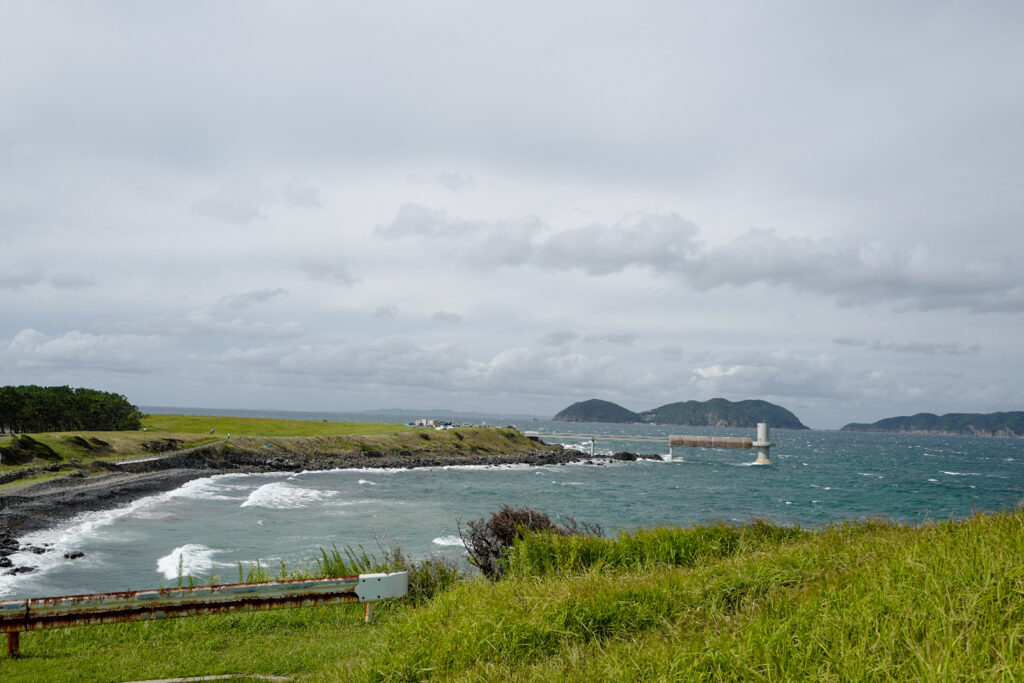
(871, 600)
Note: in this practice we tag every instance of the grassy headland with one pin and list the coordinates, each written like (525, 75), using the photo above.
(856, 601)
(51, 455)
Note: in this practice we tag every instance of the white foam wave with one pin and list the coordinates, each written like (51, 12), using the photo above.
(961, 474)
(193, 559)
(367, 482)
(210, 488)
(281, 495)
(448, 540)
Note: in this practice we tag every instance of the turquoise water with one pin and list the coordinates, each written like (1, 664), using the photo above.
(818, 477)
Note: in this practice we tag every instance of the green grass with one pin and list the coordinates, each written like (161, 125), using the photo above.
(191, 430)
(870, 600)
(259, 426)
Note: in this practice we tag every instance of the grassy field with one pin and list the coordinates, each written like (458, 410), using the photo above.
(86, 447)
(258, 426)
(858, 601)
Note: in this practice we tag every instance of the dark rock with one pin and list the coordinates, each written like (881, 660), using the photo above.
(34, 549)
(74, 555)
(624, 455)
(6, 562)
(19, 570)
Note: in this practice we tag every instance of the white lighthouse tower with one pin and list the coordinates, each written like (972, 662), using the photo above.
(762, 444)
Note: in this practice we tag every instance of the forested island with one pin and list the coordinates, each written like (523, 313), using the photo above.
(716, 412)
(1010, 424)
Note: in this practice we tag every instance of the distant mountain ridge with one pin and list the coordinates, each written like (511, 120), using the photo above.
(1010, 424)
(716, 412)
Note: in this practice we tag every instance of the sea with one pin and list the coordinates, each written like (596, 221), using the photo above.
(212, 527)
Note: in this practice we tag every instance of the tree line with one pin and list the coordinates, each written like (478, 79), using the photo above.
(63, 409)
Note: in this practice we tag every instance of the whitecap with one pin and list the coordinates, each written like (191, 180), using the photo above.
(209, 488)
(933, 480)
(367, 482)
(193, 559)
(81, 528)
(961, 474)
(448, 540)
(283, 496)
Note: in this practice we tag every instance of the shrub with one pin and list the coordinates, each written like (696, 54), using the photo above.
(489, 540)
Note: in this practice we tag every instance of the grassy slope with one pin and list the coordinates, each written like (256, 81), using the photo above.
(191, 430)
(857, 601)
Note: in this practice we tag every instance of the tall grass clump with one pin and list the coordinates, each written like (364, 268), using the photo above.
(543, 553)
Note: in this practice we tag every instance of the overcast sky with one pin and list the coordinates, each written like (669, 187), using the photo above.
(513, 206)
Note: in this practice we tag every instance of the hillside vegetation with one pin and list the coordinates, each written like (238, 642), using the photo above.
(967, 424)
(856, 601)
(32, 408)
(716, 412)
(596, 410)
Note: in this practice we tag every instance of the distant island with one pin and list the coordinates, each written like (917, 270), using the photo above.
(965, 424)
(716, 412)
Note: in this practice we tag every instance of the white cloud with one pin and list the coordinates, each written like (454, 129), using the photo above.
(118, 353)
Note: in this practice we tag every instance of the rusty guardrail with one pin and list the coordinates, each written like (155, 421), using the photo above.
(37, 614)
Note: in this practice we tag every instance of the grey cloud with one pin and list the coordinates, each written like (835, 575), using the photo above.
(255, 296)
(655, 241)
(559, 338)
(625, 339)
(297, 192)
(18, 278)
(72, 281)
(446, 317)
(335, 273)
(416, 220)
(386, 312)
(849, 341)
(205, 324)
(235, 203)
(924, 348)
(671, 351)
(456, 182)
(854, 272)
(930, 348)
(451, 180)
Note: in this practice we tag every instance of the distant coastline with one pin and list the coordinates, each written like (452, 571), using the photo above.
(1006, 424)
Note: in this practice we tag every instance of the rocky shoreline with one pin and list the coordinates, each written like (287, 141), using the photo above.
(48, 504)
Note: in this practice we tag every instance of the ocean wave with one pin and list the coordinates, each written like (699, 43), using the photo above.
(367, 482)
(193, 559)
(448, 541)
(209, 488)
(281, 495)
(961, 474)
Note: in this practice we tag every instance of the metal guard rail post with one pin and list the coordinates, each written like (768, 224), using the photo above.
(37, 614)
